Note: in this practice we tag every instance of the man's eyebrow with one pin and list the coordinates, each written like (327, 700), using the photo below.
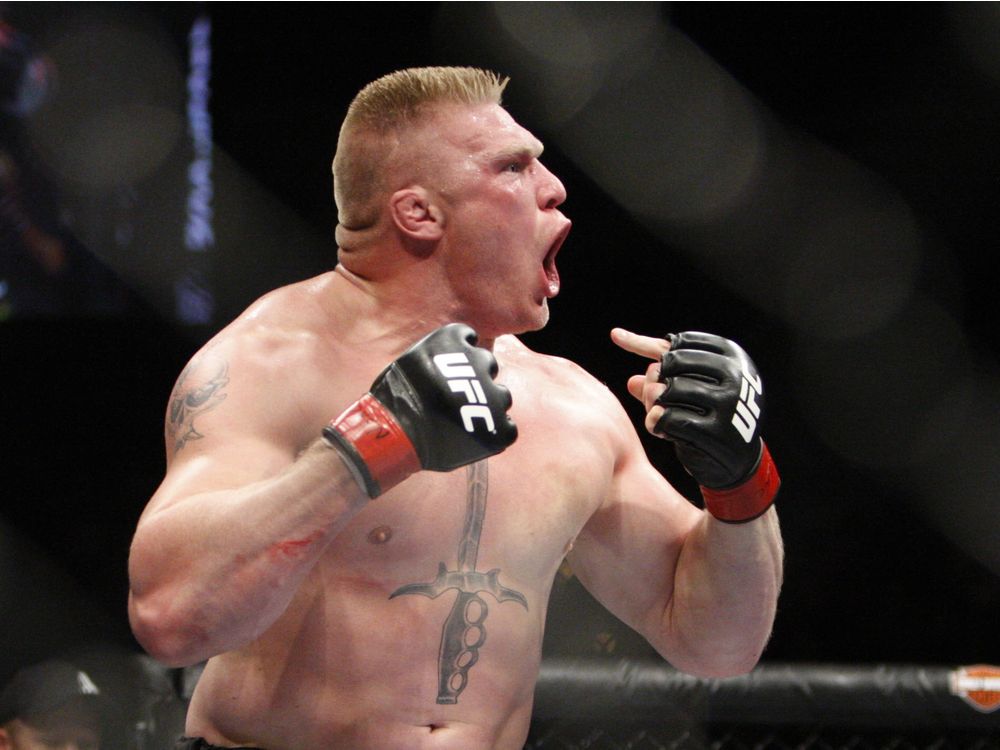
(532, 151)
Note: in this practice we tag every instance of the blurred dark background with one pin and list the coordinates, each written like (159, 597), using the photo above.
(817, 181)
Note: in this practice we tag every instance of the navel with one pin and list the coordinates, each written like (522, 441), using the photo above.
(380, 535)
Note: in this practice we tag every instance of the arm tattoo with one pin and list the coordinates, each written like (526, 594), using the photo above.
(464, 632)
(187, 402)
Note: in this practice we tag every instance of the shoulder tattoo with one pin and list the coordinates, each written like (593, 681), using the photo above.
(193, 395)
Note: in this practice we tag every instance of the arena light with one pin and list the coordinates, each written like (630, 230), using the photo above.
(194, 300)
(128, 136)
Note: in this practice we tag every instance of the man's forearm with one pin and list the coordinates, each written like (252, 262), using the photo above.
(211, 572)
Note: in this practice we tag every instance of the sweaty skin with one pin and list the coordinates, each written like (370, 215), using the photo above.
(260, 553)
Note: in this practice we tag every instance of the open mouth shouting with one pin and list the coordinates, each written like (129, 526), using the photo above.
(549, 269)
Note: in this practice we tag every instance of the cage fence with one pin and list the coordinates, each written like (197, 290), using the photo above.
(640, 705)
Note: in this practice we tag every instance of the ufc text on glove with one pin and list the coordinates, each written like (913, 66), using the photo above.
(713, 405)
(436, 407)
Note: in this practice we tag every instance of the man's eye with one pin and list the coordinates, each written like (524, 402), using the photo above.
(515, 166)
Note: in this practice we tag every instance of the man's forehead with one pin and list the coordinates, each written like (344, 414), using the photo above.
(489, 129)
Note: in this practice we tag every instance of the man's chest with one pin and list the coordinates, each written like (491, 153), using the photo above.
(518, 511)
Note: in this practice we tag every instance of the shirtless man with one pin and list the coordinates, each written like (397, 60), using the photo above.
(380, 581)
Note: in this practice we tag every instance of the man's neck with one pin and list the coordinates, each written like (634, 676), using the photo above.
(402, 307)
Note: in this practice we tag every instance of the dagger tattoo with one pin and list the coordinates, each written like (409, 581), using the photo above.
(464, 632)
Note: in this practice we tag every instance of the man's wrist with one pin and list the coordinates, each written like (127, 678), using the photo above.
(374, 446)
(751, 498)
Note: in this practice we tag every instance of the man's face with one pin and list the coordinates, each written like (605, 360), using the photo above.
(69, 728)
(502, 225)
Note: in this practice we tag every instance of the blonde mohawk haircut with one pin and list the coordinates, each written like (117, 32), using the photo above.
(398, 97)
(380, 112)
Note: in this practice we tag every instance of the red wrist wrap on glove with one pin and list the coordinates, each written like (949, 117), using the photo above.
(749, 500)
(370, 432)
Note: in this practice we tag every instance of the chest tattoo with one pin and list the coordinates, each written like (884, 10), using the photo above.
(464, 632)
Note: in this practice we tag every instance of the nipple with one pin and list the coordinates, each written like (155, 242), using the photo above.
(380, 535)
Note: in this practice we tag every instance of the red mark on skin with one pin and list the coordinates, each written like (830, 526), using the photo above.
(292, 548)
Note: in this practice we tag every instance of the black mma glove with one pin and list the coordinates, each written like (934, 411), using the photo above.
(712, 410)
(436, 407)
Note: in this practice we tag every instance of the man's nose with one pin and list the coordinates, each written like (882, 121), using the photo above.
(551, 192)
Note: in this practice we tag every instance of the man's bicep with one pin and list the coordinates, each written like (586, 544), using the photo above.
(240, 462)
(217, 436)
(627, 553)
(192, 412)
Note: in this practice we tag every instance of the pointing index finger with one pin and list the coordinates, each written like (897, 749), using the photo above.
(644, 346)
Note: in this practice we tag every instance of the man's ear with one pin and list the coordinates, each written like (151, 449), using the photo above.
(416, 214)
(6, 743)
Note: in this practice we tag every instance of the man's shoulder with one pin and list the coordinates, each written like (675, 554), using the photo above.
(301, 304)
(513, 352)
(282, 325)
(548, 368)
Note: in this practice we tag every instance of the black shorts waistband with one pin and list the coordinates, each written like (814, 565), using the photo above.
(197, 743)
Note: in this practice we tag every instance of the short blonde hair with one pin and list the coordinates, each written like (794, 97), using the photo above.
(375, 121)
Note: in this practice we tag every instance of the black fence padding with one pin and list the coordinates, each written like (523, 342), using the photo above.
(773, 695)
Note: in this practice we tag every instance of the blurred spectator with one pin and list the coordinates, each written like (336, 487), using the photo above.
(54, 705)
(44, 270)
(149, 712)
(31, 249)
